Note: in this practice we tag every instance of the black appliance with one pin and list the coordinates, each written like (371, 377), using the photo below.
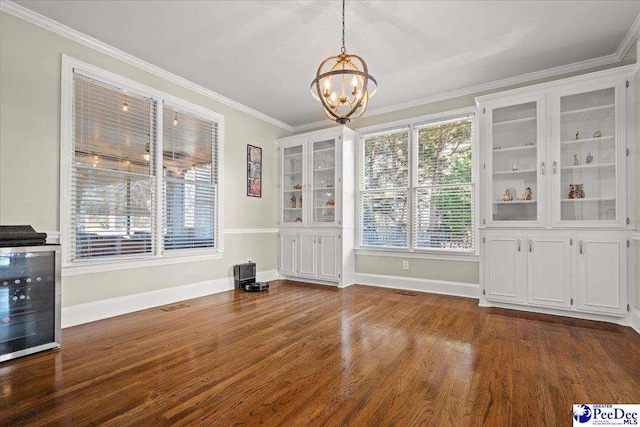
(29, 293)
(244, 276)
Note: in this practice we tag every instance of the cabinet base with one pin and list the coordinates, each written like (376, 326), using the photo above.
(617, 319)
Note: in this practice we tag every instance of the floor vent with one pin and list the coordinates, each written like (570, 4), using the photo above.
(175, 307)
(407, 293)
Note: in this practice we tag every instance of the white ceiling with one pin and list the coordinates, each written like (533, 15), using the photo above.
(264, 54)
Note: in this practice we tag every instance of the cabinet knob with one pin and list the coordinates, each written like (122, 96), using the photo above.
(542, 168)
(518, 245)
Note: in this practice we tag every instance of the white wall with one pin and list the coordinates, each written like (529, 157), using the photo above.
(30, 59)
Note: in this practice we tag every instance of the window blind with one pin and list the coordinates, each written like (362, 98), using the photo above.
(384, 192)
(112, 206)
(190, 173)
(444, 205)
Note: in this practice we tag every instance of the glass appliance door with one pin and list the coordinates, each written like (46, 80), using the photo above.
(27, 300)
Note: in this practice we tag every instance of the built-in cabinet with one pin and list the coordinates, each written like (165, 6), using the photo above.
(316, 194)
(571, 271)
(553, 179)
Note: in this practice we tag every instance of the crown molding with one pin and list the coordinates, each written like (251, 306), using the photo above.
(60, 29)
(617, 57)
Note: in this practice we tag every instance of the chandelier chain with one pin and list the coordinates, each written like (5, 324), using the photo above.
(344, 49)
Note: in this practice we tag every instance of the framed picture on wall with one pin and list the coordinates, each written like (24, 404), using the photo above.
(254, 171)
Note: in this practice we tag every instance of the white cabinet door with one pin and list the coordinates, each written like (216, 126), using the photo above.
(293, 167)
(288, 253)
(602, 274)
(328, 256)
(549, 270)
(503, 271)
(323, 186)
(514, 137)
(307, 254)
(588, 142)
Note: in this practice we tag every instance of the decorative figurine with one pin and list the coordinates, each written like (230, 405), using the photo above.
(298, 219)
(331, 202)
(580, 191)
(528, 194)
(576, 162)
(577, 136)
(293, 201)
(297, 187)
(597, 134)
(572, 191)
(507, 196)
(589, 158)
(300, 201)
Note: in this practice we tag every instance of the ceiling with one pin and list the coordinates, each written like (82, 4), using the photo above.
(264, 54)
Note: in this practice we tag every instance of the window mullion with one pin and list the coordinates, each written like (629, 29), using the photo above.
(159, 196)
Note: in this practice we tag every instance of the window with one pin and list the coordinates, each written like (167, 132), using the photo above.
(417, 189)
(142, 176)
(112, 202)
(385, 189)
(189, 180)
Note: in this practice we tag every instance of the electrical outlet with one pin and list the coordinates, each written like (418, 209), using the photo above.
(405, 265)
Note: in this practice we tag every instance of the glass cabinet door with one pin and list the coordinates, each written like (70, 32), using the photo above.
(293, 169)
(587, 156)
(323, 181)
(514, 190)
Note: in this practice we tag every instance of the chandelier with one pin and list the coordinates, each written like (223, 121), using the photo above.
(343, 85)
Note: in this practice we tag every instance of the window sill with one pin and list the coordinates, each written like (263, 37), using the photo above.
(92, 267)
(405, 253)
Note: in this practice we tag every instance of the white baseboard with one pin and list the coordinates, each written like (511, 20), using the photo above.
(635, 319)
(92, 311)
(421, 285)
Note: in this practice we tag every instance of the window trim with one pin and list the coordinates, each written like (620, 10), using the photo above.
(412, 124)
(157, 257)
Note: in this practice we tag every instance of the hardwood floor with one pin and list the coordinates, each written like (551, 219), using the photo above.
(311, 355)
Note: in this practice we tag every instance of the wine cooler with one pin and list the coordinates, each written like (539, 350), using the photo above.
(29, 300)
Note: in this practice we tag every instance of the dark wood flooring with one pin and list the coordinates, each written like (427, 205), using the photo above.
(311, 355)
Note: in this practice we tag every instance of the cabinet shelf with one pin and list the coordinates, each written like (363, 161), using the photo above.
(592, 166)
(324, 188)
(322, 150)
(588, 110)
(580, 141)
(324, 169)
(325, 207)
(515, 172)
(288, 156)
(511, 149)
(514, 121)
(514, 202)
(293, 173)
(589, 199)
(292, 209)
